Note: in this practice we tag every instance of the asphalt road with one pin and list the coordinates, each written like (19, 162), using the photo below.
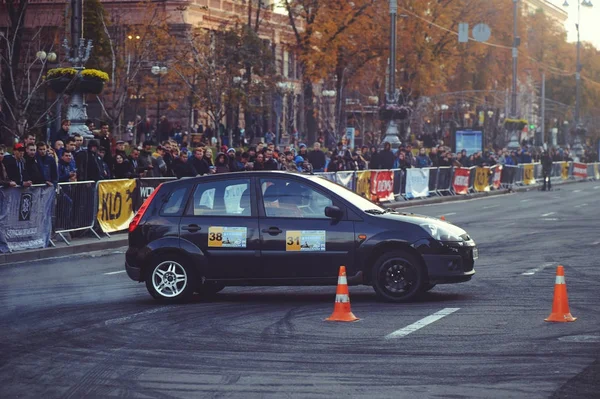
(78, 327)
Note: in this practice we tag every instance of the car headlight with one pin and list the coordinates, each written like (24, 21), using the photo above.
(441, 234)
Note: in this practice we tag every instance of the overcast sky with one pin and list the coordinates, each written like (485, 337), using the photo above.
(590, 21)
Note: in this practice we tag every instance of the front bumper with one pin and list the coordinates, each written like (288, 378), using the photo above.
(453, 263)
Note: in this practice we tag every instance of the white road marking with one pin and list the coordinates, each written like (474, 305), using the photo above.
(596, 243)
(576, 191)
(491, 206)
(446, 214)
(403, 332)
(109, 273)
(580, 206)
(531, 272)
(596, 187)
(526, 200)
(548, 214)
(550, 219)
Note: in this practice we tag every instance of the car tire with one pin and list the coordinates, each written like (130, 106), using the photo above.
(397, 277)
(171, 279)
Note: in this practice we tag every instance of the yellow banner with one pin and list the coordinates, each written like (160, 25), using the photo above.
(363, 184)
(115, 204)
(565, 171)
(528, 174)
(482, 179)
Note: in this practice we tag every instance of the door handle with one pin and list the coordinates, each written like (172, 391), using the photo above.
(192, 228)
(272, 231)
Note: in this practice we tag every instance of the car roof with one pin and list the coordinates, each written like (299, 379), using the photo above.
(230, 175)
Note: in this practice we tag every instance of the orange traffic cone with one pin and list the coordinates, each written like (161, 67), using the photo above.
(443, 217)
(560, 305)
(341, 309)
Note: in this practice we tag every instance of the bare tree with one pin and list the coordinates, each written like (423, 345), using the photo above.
(22, 69)
(132, 50)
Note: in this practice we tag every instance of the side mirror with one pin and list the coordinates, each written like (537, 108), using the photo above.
(334, 212)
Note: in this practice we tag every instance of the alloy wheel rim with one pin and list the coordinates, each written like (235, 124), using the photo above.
(397, 277)
(169, 279)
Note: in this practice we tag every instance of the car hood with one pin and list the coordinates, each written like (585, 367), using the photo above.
(417, 219)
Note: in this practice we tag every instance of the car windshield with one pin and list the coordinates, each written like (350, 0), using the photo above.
(360, 202)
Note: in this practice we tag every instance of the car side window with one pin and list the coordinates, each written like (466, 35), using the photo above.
(221, 198)
(288, 198)
(176, 202)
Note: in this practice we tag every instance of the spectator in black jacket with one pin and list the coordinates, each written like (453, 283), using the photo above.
(137, 166)
(183, 167)
(32, 167)
(104, 140)
(47, 164)
(373, 158)
(386, 157)
(316, 157)
(15, 166)
(120, 149)
(4, 179)
(106, 170)
(89, 164)
(122, 168)
(270, 162)
(61, 134)
(221, 163)
(199, 162)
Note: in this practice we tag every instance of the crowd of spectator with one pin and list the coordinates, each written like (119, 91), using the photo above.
(66, 158)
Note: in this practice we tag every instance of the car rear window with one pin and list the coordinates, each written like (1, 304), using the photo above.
(176, 203)
(221, 198)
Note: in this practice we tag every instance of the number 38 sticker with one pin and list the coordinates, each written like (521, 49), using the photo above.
(305, 240)
(227, 237)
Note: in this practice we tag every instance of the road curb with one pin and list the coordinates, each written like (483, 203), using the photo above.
(74, 249)
(453, 198)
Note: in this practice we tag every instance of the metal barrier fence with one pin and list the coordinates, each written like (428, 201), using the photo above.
(74, 202)
(441, 179)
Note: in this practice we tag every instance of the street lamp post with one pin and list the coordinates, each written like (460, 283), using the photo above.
(514, 138)
(285, 89)
(159, 72)
(45, 58)
(577, 147)
(79, 54)
(392, 96)
(329, 94)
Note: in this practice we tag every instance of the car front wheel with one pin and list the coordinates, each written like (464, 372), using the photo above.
(171, 280)
(397, 277)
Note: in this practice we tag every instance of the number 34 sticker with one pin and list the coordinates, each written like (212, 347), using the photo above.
(305, 240)
(227, 237)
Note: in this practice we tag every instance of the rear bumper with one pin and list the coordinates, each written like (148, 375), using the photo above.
(134, 273)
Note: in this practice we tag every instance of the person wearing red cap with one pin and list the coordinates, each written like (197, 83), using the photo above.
(15, 166)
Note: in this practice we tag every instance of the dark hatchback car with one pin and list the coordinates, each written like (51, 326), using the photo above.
(282, 229)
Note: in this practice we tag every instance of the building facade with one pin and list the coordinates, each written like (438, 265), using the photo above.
(183, 16)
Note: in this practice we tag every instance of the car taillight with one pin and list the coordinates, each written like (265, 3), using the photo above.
(140, 213)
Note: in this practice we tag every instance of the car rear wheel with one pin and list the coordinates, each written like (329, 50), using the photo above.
(397, 277)
(171, 280)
